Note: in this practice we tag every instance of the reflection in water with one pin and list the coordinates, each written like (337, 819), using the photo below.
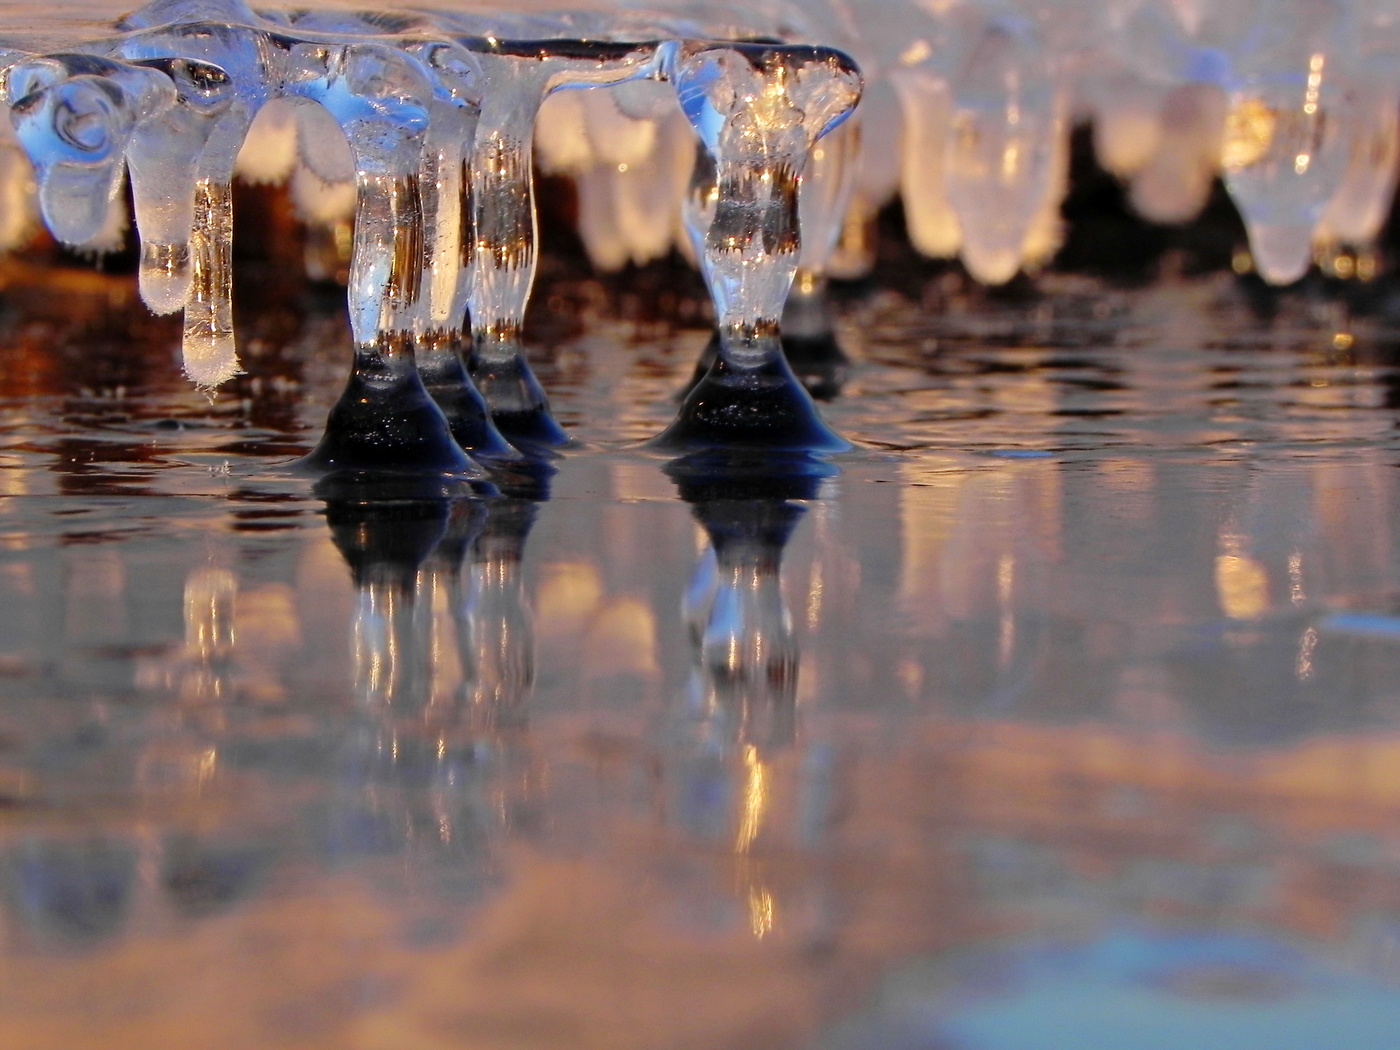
(740, 708)
(443, 660)
(1098, 661)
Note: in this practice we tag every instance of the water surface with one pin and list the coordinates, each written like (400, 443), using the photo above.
(1075, 718)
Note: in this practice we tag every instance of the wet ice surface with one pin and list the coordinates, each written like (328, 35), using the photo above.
(1081, 680)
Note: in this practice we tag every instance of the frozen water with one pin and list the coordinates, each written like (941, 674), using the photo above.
(1289, 127)
(418, 131)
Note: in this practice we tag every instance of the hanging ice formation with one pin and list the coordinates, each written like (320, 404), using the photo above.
(420, 126)
(758, 110)
(438, 112)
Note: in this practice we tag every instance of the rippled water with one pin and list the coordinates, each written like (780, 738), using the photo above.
(1092, 738)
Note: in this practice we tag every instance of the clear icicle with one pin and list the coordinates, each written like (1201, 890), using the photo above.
(503, 256)
(164, 156)
(758, 111)
(210, 356)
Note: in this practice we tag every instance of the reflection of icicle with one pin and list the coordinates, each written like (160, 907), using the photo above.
(210, 357)
(497, 629)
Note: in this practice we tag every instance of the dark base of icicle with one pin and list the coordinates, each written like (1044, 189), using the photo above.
(389, 427)
(467, 414)
(518, 404)
(819, 363)
(760, 409)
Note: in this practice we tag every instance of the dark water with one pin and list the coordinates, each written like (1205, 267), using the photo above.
(1072, 720)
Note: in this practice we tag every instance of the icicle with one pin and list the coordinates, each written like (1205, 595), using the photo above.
(758, 111)
(385, 420)
(1361, 205)
(503, 257)
(445, 190)
(930, 220)
(1000, 149)
(165, 154)
(1287, 136)
(219, 61)
(809, 337)
(208, 346)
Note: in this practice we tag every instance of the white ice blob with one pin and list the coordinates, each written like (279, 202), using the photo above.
(1175, 183)
(1362, 202)
(929, 218)
(1001, 147)
(1288, 133)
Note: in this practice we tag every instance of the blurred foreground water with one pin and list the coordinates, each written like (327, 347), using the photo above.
(1072, 719)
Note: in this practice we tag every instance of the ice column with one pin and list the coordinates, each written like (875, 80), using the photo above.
(445, 191)
(385, 420)
(516, 79)
(758, 110)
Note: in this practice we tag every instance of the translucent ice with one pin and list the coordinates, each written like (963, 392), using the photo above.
(164, 155)
(1361, 205)
(758, 111)
(1001, 148)
(1287, 138)
(74, 115)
